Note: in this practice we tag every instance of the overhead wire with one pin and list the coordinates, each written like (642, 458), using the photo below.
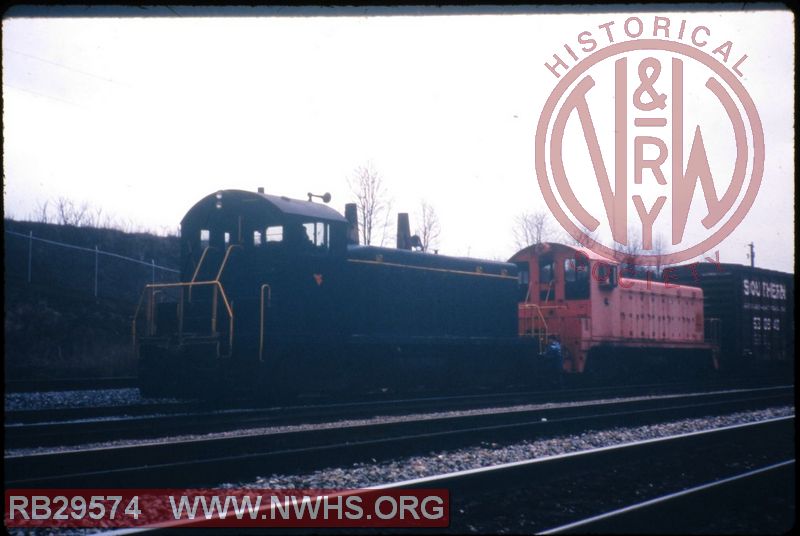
(62, 66)
(42, 95)
(57, 64)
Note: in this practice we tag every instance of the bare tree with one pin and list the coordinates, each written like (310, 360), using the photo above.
(532, 228)
(659, 249)
(70, 213)
(591, 238)
(168, 230)
(387, 228)
(97, 219)
(64, 211)
(373, 205)
(428, 229)
(633, 248)
(42, 213)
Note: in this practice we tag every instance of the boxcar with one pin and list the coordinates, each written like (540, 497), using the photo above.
(750, 310)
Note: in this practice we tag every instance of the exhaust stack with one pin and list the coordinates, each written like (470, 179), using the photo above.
(351, 215)
(403, 231)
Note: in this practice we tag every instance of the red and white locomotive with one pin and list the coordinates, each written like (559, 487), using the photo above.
(606, 321)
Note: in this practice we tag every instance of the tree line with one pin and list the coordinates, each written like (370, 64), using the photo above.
(374, 206)
(65, 211)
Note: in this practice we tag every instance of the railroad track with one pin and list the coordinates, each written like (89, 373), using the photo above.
(73, 426)
(61, 414)
(575, 492)
(575, 388)
(54, 414)
(207, 461)
(687, 510)
(659, 482)
(69, 384)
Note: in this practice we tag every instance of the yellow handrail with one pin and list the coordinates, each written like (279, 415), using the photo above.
(197, 268)
(549, 288)
(225, 260)
(136, 313)
(538, 308)
(261, 331)
(218, 290)
(200, 263)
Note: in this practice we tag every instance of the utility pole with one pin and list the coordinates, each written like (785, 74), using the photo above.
(752, 255)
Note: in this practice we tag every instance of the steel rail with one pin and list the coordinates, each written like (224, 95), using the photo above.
(143, 426)
(379, 400)
(621, 451)
(200, 461)
(600, 522)
(524, 472)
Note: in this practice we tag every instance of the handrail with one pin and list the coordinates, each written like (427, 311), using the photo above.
(197, 268)
(261, 330)
(195, 283)
(225, 260)
(534, 305)
(218, 289)
(542, 341)
(538, 310)
(549, 288)
(200, 262)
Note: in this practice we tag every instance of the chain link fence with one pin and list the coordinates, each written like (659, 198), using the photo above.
(90, 271)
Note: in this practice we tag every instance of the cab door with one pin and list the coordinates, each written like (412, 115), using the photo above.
(309, 295)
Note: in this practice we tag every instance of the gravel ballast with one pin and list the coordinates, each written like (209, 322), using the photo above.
(362, 475)
(369, 474)
(89, 398)
(251, 431)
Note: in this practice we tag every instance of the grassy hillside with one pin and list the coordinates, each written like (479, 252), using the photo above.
(73, 318)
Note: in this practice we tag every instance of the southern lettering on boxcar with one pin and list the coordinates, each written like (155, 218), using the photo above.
(754, 308)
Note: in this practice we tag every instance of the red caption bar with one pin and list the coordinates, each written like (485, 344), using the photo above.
(226, 508)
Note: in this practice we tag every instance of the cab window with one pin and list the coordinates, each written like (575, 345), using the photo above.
(605, 274)
(274, 233)
(523, 279)
(318, 234)
(546, 272)
(576, 278)
(547, 269)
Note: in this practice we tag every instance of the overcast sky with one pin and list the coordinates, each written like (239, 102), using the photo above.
(143, 116)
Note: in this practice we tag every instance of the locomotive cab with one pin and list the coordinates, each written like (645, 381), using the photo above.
(557, 300)
(256, 270)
